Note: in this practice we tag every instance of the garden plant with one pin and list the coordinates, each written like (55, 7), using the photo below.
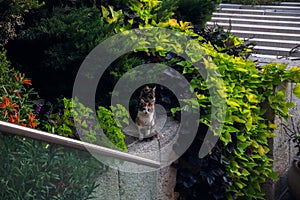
(239, 163)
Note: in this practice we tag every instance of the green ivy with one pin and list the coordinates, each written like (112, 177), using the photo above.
(248, 92)
(246, 126)
(110, 121)
(72, 119)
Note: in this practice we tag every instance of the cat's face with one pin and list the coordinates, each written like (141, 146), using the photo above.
(148, 94)
(147, 101)
(146, 107)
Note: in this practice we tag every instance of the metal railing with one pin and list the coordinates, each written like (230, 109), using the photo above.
(75, 144)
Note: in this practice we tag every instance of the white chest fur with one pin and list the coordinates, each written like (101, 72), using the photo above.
(145, 119)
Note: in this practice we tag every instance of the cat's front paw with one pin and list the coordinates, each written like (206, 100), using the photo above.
(141, 138)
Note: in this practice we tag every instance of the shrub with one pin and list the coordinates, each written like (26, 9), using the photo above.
(58, 44)
(225, 42)
(16, 94)
(72, 119)
(240, 158)
(11, 16)
(30, 169)
(35, 170)
(197, 11)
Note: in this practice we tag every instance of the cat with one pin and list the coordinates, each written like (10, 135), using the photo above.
(145, 119)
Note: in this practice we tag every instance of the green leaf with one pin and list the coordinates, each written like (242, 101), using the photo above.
(237, 119)
(226, 137)
(296, 90)
(232, 103)
(274, 176)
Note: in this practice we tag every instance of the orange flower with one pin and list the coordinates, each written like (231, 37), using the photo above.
(20, 77)
(18, 94)
(15, 118)
(5, 102)
(12, 118)
(27, 82)
(32, 120)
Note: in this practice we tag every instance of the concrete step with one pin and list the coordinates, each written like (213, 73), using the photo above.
(249, 27)
(266, 35)
(256, 21)
(274, 43)
(261, 17)
(259, 12)
(275, 51)
(256, 55)
(262, 7)
(290, 3)
(275, 29)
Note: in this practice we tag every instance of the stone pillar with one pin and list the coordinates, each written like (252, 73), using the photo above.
(282, 150)
(118, 185)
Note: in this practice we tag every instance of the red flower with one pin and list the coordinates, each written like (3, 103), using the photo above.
(27, 82)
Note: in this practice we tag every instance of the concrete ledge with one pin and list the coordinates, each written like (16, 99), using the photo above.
(275, 51)
(256, 56)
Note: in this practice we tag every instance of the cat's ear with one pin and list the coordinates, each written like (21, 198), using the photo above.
(153, 89)
(142, 101)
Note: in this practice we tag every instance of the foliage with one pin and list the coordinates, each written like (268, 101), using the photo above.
(58, 44)
(225, 42)
(16, 105)
(112, 127)
(79, 36)
(206, 178)
(11, 16)
(34, 170)
(72, 119)
(143, 12)
(241, 157)
(61, 38)
(293, 131)
(197, 11)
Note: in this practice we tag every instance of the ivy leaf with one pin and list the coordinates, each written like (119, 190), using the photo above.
(297, 90)
(226, 137)
(261, 150)
(237, 119)
(252, 98)
(274, 176)
(232, 103)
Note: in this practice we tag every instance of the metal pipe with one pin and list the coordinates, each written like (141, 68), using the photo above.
(75, 144)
